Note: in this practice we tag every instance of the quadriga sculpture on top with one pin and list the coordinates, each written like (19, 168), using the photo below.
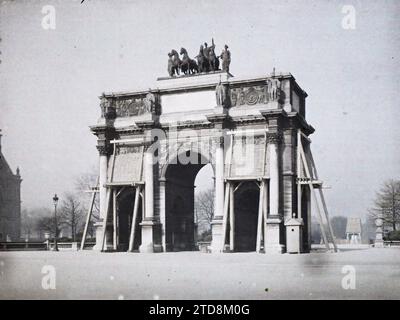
(207, 61)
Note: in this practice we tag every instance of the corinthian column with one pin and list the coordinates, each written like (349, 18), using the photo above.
(219, 179)
(103, 164)
(216, 225)
(148, 221)
(273, 175)
(103, 168)
(274, 221)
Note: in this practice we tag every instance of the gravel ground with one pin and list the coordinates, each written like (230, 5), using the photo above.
(195, 275)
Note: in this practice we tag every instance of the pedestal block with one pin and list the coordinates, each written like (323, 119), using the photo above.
(273, 235)
(149, 241)
(217, 235)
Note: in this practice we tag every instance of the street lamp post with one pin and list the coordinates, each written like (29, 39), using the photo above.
(55, 201)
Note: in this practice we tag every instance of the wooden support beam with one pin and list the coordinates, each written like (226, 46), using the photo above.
(316, 183)
(88, 216)
(127, 141)
(238, 186)
(327, 219)
(114, 200)
(225, 216)
(324, 206)
(141, 164)
(134, 219)
(124, 183)
(260, 217)
(247, 178)
(120, 191)
(230, 156)
(103, 237)
(312, 191)
(265, 209)
(299, 174)
(231, 218)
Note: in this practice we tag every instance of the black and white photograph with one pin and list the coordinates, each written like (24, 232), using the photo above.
(224, 151)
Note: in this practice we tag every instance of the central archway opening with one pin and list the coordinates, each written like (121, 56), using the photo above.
(125, 204)
(180, 219)
(246, 204)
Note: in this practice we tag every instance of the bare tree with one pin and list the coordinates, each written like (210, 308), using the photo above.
(46, 224)
(387, 204)
(30, 226)
(27, 224)
(71, 214)
(84, 183)
(339, 224)
(205, 207)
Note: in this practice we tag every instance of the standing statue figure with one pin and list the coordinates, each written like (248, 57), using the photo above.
(213, 60)
(104, 104)
(274, 86)
(202, 62)
(188, 66)
(150, 102)
(226, 59)
(220, 94)
(205, 51)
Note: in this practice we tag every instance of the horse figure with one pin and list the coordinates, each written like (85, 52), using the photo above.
(176, 62)
(170, 65)
(212, 58)
(202, 61)
(188, 66)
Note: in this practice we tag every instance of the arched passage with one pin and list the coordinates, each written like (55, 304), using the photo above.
(246, 202)
(125, 204)
(179, 201)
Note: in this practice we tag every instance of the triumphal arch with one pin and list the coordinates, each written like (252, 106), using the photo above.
(153, 142)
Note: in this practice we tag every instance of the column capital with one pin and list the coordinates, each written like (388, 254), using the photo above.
(219, 140)
(275, 137)
(104, 150)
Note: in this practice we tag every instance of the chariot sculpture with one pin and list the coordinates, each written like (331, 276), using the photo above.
(207, 61)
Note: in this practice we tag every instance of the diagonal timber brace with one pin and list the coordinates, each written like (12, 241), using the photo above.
(306, 165)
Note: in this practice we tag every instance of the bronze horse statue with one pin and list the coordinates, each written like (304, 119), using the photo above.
(202, 61)
(207, 61)
(188, 66)
(174, 63)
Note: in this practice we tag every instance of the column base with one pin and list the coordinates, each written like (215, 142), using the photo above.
(217, 236)
(99, 233)
(378, 244)
(273, 236)
(274, 249)
(148, 244)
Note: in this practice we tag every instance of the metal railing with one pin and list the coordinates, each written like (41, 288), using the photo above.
(42, 246)
(391, 243)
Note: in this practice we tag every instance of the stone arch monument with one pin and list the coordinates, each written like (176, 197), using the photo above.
(153, 142)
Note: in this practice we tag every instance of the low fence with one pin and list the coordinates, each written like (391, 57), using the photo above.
(43, 246)
(391, 243)
(22, 245)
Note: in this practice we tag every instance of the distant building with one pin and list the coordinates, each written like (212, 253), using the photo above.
(353, 230)
(10, 201)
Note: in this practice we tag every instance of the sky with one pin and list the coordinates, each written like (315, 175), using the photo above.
(50, 79)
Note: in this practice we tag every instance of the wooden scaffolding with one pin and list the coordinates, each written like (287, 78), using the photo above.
(307, 175)
(260, 180)
(114, 189)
